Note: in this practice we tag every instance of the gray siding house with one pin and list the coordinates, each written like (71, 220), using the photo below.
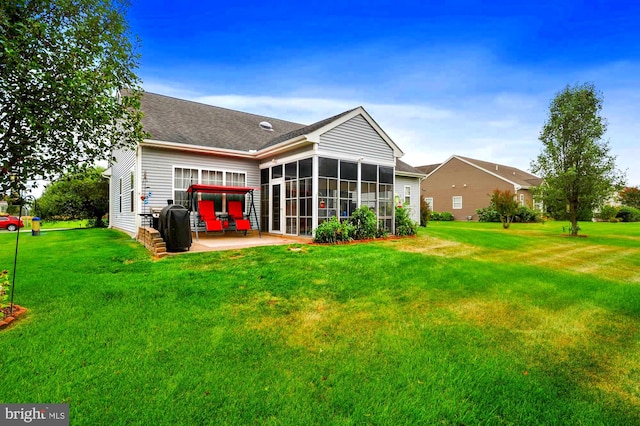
(302, 175)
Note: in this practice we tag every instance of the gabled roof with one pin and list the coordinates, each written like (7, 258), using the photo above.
(510, 174)
(305, 130)
(191, 123)
(194, 126)
(428, 168)
(404, 169)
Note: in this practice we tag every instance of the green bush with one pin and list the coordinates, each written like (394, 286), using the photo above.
(365, 223)
(525, 214)
(425, 212)
(443, 216)
(327, 231)
(446, 217)
(628, 214)
(405, 226)
(488, 214)
(607, 212)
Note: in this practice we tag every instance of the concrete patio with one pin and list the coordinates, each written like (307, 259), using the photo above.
(232, 240)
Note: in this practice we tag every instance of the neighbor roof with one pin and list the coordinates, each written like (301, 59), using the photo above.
(180, 121)
(428, 168)
(404, 168)
(517, 176)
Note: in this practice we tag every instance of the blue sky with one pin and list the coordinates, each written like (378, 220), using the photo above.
(442, 78)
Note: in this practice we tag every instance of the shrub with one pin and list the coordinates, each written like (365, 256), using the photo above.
(327, 231)
(607, 212)
(446, 217)
(425, 212)
(628, 214)
(404, 225)
(527, 215)
(488, 214)
(4, 289)
(365, 223)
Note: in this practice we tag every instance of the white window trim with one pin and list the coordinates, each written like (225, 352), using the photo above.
(199, 177)
(429, 201)
(453, 201)
(407, 194)
(132, 180)
(120, 195)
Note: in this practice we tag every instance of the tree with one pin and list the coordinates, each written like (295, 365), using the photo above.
(425, 212)
(68, 92)
(505, 204)
(630, 196)
(82, 195)
(578, 170)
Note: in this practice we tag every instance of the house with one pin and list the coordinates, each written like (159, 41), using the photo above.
(302, 174)
(461, 185)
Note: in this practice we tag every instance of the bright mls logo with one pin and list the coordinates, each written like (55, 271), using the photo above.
(38, 414)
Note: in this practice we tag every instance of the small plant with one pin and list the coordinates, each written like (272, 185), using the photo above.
(404, 225)
(446, 216)
(327, 231)
(365, 223)
(4, 290)
(487, 214)
(425, 212)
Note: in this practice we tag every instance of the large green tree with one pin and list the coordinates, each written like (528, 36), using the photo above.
(81, 195)
(68, 90)
(578, 169)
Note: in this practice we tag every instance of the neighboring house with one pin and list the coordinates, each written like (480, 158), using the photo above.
(461, 185)
(302, 175)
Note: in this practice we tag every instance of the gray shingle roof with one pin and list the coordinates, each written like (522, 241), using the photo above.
(305, 130)
(401, 166)
(428, 168)
(175, 120)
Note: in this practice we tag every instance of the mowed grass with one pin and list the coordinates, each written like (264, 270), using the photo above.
(465, 324)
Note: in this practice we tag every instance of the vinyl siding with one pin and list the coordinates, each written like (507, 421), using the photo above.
(125, 220)
(159, 165)
(356, 137)
(414, 183)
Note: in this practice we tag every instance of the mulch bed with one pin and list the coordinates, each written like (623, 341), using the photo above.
(8, 317)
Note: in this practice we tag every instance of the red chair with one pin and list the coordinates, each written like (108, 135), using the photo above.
(207, 212)
(238, 217)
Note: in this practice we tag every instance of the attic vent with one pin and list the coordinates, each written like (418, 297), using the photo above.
(265, 125)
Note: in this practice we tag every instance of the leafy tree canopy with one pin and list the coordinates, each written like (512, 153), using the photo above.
(68, 91)
(81, 195)
(578, 170)
(505, 204)
(630, 196)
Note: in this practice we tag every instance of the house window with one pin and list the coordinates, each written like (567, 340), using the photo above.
(348, 188)
(522, 199)
(429, 201)
(407, 195)
(305, 194)
(131, 193)
(327, 189)
(385, 198)
(182, 179)
(457, 202)
(120, 195)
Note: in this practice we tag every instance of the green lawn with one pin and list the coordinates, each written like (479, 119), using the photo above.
(465, 324)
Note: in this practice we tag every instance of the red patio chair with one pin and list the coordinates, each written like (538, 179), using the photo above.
(238, 217)
(207, 212)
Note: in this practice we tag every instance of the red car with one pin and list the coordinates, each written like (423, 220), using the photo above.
(10, 223)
